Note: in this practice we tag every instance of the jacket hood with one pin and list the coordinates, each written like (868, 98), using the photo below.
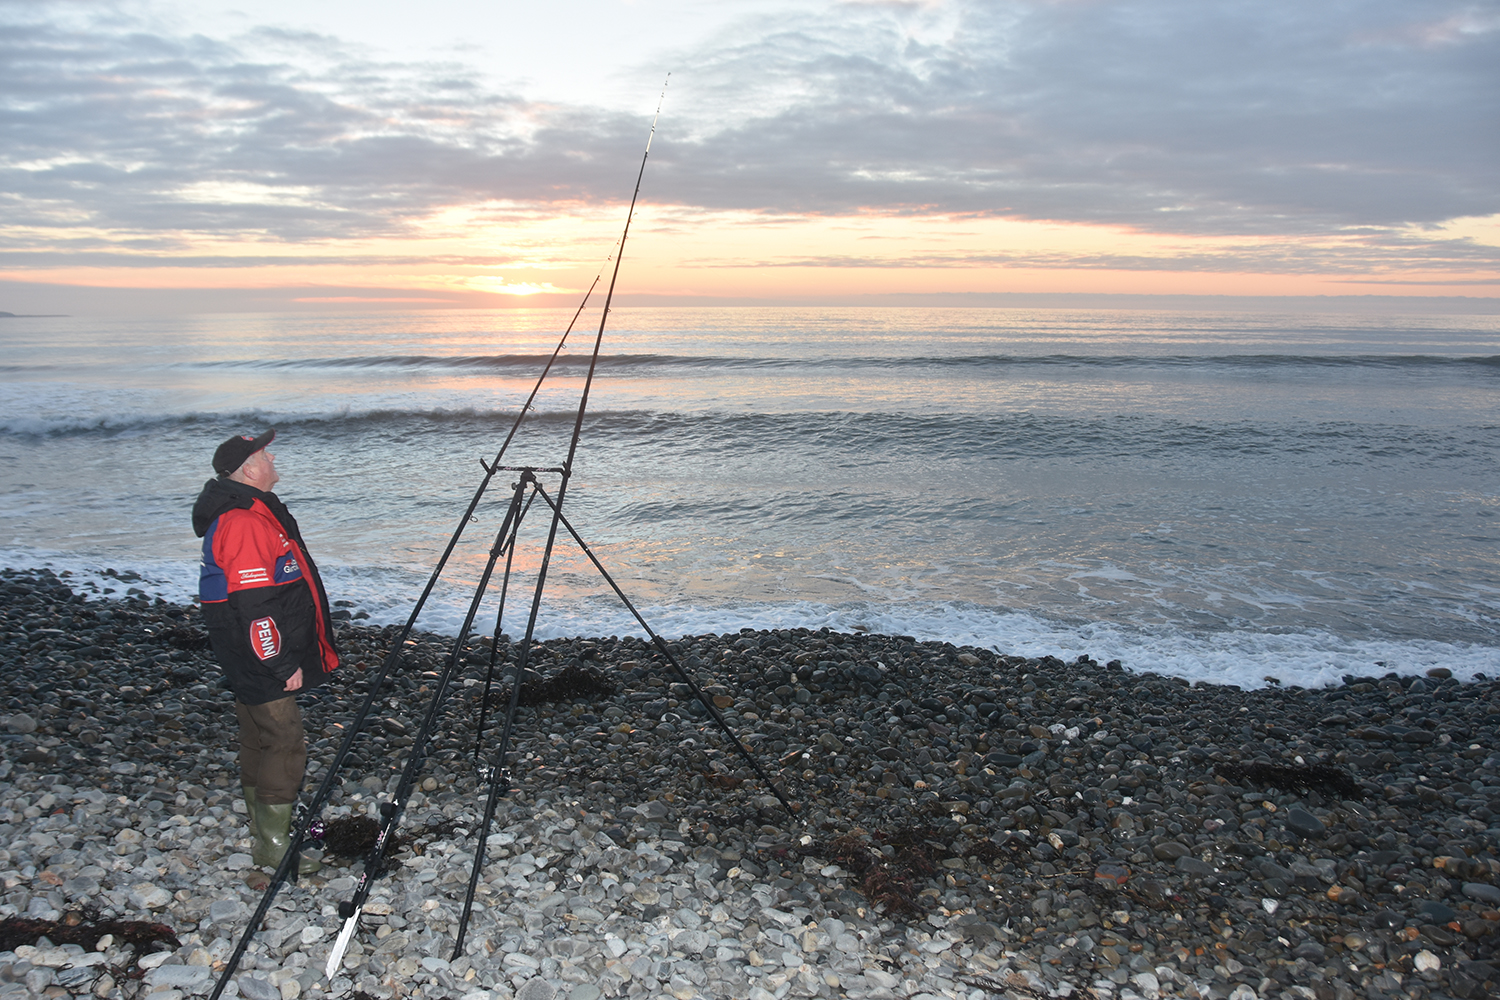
(218, 496)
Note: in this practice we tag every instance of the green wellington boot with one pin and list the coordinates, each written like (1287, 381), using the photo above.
(273, 826)
(250, 809)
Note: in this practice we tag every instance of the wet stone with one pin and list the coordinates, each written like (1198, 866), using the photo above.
(1304, 823)
(1169, 850)
(1194, 866)
(1123, 824)
(1436, 912)
(1484, 892)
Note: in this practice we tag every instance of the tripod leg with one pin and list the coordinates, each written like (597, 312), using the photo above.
(499, 782)
(509, 547)
(499, 787)
(392, 811)
(661, 645)
(489, 677)
(500, 775)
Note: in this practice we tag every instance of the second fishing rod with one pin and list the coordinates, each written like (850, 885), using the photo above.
(350, 910)
(376, 685)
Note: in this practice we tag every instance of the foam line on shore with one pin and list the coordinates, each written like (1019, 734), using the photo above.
(1247, 658)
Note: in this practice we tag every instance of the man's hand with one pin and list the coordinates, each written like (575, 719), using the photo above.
(294, 682)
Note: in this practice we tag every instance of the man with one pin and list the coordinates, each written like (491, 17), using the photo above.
(267, 618)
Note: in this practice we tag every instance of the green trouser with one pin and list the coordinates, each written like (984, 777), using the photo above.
(273, 749)
(273, 759)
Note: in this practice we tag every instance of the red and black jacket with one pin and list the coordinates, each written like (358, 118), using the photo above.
(263, 601)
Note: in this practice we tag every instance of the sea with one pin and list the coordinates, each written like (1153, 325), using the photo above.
(1236, 497)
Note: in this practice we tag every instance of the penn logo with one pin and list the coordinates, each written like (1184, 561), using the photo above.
(265, 638)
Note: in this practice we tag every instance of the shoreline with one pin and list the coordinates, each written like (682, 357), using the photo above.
(1009, 793)
(1249, 658)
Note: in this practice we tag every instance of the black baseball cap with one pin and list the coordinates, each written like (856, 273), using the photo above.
(232, 453)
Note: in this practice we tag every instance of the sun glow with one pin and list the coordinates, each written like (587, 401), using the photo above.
(507, 252)
(501, 286)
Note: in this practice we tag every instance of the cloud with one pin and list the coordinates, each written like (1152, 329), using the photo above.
(1168, 115)
(1357, 259)
(285, 135)
(1171, 116)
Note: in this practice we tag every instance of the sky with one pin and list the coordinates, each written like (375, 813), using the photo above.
(331, 154)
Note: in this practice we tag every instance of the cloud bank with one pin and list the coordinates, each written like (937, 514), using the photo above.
(1364, 120)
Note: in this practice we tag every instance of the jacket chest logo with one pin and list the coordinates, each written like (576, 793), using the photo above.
(265, 638)
(287, 569)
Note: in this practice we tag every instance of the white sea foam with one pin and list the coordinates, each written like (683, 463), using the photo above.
(101, 578)
(1246, 658)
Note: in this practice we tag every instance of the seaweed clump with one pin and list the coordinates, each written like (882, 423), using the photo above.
(888, 880)
(185, 637)
(355, 836)
(352, 836)
(1324, 778)
(83, 928)
(572, 683)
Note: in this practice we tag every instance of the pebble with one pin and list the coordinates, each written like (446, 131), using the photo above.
(20, 723)
(257, 988)
(1304, 823)
(1484, 892)
(178, 976)
(639, 856)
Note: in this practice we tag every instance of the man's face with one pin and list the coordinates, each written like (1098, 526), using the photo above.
(259, 470)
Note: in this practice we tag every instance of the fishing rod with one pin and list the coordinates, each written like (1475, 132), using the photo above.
(289, 861)
(498, 774)
(393, 810)
(350, 910)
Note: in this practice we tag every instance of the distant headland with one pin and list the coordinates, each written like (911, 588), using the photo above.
(6, 315)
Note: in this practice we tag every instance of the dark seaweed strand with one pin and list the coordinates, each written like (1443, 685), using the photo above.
(1305, 777)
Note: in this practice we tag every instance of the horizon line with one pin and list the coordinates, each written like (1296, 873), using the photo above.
(47, 300)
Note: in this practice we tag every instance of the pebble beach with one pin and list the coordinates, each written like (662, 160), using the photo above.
(970, 824)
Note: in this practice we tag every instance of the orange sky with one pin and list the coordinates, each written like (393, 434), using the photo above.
(937, 148)
(740, 255)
